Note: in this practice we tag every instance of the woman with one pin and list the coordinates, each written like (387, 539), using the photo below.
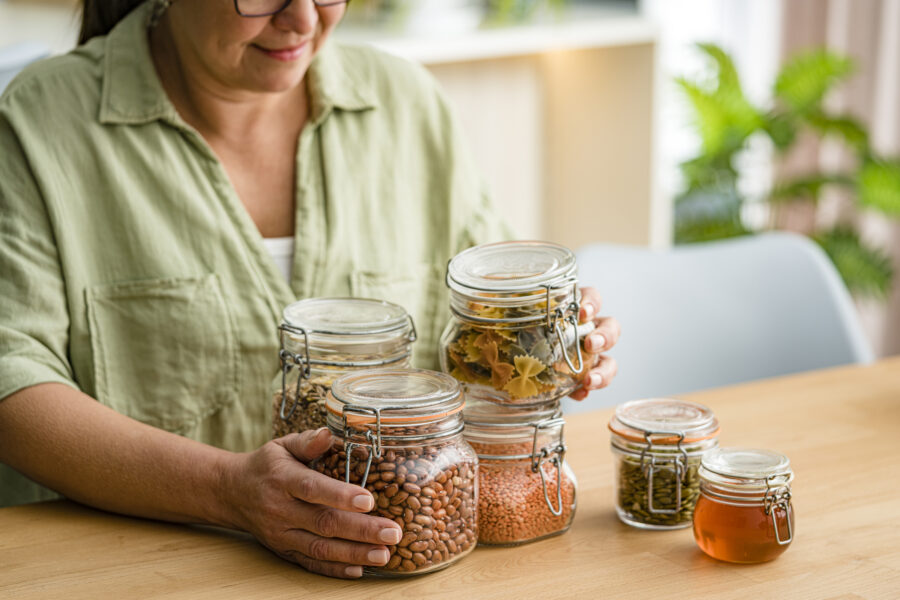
(141, 174)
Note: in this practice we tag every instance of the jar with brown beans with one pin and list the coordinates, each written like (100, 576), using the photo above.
(398, 433)
(324, 338)
(526, 489)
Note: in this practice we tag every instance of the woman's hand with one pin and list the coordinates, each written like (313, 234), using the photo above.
(302, 515)
(604, 337)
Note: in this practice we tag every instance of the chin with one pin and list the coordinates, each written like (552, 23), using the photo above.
(280, 78)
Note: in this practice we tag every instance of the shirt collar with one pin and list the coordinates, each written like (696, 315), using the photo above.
(133, 94)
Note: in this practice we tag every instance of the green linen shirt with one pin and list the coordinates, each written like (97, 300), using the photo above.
(129, 269)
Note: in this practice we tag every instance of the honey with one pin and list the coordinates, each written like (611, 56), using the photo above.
(744, 512)
(739, 533)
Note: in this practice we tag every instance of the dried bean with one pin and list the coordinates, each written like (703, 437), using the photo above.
(429, 492)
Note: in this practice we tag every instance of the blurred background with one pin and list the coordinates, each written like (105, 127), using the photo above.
(659, 122)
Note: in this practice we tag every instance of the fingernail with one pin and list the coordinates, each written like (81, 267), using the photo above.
(595, 380)
(597, 341)
(589, 311)
(378, 556)
(364, 502)
(389, 535)
(354, 571)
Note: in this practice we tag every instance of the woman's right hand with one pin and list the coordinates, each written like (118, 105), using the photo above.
(303, 516)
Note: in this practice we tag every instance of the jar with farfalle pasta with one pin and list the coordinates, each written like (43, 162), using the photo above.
(514, 337)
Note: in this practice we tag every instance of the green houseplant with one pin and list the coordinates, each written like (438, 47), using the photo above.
(710, 207)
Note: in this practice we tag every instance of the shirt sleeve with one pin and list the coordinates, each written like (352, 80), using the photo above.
(34, 319)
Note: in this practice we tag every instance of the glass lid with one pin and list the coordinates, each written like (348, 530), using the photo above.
(747, 463)
(481, 413)
(398, 395)
(346, 316)
(518, 266)
(636, 419)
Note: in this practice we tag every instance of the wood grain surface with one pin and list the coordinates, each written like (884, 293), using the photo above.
(839, 427)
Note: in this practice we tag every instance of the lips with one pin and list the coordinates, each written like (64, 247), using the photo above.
(284, 54)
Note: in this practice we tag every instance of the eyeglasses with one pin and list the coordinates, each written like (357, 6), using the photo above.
(266, 8)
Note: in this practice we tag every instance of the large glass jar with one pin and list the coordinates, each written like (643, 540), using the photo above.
(744, 514)
(514, 337)
(658, 445)
(324, 338)
(526, 488)
(402, 431)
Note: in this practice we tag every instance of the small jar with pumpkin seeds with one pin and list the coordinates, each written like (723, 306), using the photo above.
(658, 445)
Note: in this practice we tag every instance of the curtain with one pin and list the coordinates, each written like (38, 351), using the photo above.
(868, 31)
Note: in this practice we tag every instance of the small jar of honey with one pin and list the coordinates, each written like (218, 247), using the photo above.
(744, 512)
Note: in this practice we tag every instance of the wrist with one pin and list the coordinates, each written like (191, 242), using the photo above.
(223, 507)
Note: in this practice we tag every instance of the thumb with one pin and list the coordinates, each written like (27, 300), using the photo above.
(309, 445)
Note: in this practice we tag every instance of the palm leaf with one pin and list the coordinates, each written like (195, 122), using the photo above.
(806, 78)
(723, 116)
(845, 127)
(879, 186)
(865, 270)
(808, 187)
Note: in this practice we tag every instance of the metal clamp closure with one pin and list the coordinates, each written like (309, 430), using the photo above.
(779, 496)
(373, 439)
(413, 334)
(538, 458)
(565, 315)
(676, 464)
(288, 360)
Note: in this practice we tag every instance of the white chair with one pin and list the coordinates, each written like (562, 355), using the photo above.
(14, 58)
(719, 313)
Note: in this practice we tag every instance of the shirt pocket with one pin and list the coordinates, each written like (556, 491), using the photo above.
(164, 349)
(420, 290)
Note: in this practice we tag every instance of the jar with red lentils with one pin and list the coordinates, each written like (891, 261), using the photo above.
(527, 491)
(399, 433)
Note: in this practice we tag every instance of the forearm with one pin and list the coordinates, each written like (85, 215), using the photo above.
(71, 443)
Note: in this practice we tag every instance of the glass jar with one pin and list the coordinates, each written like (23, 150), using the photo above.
(514, 337)
(402, 431)
(324, 338)
(526, 489)
(744, 514)
(658, 444)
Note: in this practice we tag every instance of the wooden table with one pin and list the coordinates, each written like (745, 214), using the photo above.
(839, 427)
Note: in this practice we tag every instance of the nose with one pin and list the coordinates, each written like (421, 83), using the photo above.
(300, 16)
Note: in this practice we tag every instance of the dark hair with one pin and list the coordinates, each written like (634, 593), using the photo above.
(98, 17)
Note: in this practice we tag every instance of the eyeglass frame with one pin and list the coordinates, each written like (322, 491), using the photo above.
(319, 3)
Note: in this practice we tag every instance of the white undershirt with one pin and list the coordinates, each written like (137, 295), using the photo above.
(282, 251)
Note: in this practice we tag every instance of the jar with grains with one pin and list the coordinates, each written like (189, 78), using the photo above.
(658, 445)
(744, 514)
(526, 488)
(401, 431)
(514, 337)
(324, 338)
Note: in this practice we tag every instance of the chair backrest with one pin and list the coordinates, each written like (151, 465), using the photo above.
(719, 313)
(14, 58)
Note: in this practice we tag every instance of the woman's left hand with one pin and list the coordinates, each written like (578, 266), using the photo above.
(602, 338)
